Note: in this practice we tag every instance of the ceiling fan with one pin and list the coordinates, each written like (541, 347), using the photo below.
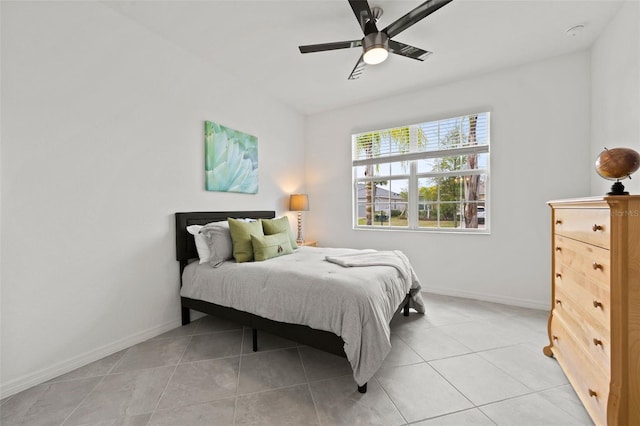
(377, 44)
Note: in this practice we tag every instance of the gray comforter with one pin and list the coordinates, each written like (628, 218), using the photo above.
(355, 303)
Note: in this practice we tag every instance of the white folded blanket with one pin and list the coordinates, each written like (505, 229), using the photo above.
(393, 258)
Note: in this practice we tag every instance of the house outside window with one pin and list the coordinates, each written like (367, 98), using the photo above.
(427, 176)
(384, 203)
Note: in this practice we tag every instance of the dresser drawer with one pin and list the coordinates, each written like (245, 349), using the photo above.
(588, 225)
(590, 383)
(594, 262)
(593, 337)
(593, 298)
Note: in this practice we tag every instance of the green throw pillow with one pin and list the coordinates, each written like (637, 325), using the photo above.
(276, 226)
(269, 246)
(241, 232)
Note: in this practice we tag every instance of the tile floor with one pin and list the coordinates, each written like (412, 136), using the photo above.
(463, 363)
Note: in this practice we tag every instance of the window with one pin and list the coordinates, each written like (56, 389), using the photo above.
(427, 176)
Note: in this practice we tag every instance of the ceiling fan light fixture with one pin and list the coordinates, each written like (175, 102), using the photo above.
(376, 48)
(375, 55)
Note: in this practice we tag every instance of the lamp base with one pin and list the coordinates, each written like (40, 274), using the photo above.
(299, 240)
(617, 189)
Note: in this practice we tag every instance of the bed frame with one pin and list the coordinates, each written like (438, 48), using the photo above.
(186, 252)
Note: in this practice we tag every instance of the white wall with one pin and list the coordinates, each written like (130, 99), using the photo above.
(102, 141)
(615, 91)
(539, 148)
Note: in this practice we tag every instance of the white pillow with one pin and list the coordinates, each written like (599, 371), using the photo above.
(218, 239)
(201, 243)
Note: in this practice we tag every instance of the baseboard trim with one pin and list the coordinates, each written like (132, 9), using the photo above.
(505, 300)
(28, 380)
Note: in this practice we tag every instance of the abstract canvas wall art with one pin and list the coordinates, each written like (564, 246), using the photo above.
(231, 159)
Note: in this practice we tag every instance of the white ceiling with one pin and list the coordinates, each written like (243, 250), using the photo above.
(257, 41)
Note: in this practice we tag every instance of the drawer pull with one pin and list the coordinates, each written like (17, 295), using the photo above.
(558, 275)
(597, 227)
(558, 221)
(558, 248)
(597, 266)
(555, 338)
(558, 302)
(593, 393)
(597, 304)
(597, 342)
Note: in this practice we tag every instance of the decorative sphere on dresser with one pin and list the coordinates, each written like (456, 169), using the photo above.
(616, 164)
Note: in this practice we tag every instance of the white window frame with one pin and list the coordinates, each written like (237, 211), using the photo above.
(413, 176)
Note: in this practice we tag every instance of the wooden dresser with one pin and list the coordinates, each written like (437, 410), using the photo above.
(594, 325)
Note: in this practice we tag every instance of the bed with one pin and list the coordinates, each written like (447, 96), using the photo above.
(280, 296)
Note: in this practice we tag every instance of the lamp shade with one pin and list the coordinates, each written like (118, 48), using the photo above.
(299, 202)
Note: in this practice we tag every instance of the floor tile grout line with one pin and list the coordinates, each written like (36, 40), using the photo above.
(504, 399)
(55, 379)
(199, 323)
(406, 422)
(444, 378)
(273, 389)
(452, 385)
(268, 350)
(332, 378)
(486, 416)
(120, 361)
(190, 335)
(481, 406)
(460, 322)
(235, 398)
(83, 400)
(409, 346)
(486, 404)
(175, 368)
(560, 406)
(503, 370)
(117, 362)
(454, 412)
(483, 349)
(216, 332)
(422, 361)
(306, 377)
(436, 359)
(196, 361)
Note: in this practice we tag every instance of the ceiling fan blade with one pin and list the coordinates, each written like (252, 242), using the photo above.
(329, 46)
(363, 13)
(358, 69)
(420, 12)
(408, 51)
